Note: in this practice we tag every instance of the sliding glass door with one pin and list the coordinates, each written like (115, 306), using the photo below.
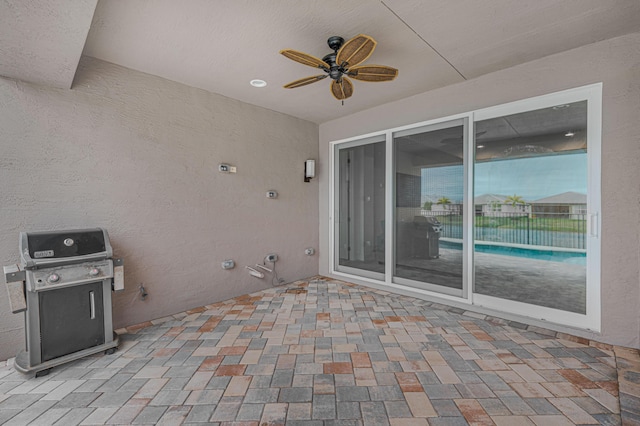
(531, 207)
(360, 208)
(537, 202)
(497, 208)
(429, 206)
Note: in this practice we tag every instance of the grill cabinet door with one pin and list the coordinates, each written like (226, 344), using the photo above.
(71, 319)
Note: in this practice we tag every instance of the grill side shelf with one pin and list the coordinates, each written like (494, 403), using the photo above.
(118, 275)
(14, 278)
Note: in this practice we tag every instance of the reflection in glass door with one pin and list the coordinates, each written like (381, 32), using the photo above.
(360, 181)
(531, 207)
(429, 179)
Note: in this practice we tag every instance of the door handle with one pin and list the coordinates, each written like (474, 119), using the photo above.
(592, 225)
(92, 301)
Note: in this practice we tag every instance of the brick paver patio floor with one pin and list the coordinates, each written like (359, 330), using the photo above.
(328, 352)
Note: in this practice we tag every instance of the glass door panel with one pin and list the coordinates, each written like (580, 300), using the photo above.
(360, 209)
(530, 202)
(429, 205)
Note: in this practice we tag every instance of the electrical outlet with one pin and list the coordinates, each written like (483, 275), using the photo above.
(272, 257)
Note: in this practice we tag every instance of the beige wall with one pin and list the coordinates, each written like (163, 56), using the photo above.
(616, 63)
(138, 155)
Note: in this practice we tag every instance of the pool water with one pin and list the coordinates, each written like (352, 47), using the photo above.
(572, 257)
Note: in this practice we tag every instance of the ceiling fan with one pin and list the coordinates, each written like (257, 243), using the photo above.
(343, 62)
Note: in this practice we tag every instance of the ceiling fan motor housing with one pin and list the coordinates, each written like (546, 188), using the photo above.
(335, 71)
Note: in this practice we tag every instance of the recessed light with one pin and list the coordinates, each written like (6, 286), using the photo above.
(569, 134)
(258, 83)
(480, 146)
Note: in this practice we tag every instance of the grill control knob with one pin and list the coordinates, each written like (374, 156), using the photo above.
(94, 272)
(53, 278)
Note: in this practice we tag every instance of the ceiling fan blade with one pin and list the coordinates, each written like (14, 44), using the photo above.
(374, 73)
(356, 50)
(304, 58)
(342, 89)
(305, 81)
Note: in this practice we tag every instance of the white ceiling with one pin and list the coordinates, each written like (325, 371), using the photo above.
(221, 45)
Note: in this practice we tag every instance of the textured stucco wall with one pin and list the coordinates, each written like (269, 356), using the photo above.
(614, 62)
(41, 41)
(138, 155)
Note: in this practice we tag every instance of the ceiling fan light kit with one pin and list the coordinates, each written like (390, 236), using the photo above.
(344, 62)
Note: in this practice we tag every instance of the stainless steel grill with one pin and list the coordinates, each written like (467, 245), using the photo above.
(63, 284)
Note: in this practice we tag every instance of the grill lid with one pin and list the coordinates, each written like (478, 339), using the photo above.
(55, 247)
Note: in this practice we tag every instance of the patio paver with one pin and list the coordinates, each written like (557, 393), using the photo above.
(322, 349)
